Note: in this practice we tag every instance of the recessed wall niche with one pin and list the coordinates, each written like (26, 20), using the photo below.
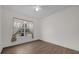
(21, 28)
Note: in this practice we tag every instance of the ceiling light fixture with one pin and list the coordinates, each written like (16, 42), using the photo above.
(37, 8)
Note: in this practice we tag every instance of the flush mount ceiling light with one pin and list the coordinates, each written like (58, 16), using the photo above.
(37, 8)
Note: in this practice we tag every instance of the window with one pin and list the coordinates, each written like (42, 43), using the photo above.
(22, 28)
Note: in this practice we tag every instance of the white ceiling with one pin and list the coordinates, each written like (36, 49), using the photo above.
(45, 11)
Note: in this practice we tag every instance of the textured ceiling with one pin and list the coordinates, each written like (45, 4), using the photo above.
(45, 11)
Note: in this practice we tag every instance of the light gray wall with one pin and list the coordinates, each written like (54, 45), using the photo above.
(0, 29)
(7, 28)
(62, 28)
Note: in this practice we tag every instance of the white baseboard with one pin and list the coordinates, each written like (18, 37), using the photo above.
(59, 44)
(17, 43)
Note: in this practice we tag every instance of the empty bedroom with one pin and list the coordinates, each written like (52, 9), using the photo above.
(39, 29)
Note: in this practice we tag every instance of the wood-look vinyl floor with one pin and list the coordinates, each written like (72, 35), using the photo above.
(38, 47)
